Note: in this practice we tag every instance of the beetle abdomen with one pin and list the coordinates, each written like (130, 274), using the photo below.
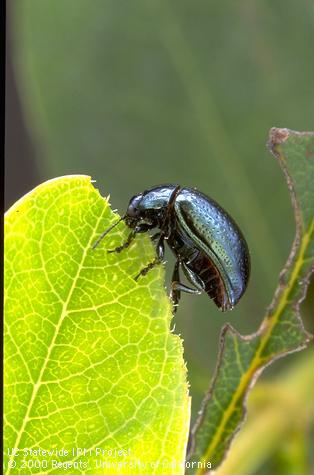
(216, 234)
(214, 285)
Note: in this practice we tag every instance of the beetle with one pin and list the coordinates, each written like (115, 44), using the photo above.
(206, 241)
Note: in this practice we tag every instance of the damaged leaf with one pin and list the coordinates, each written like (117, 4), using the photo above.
(90, 361)
(242, 358)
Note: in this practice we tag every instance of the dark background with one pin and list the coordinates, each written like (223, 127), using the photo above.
(137, 93)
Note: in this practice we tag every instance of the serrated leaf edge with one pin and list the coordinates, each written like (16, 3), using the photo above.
(276, 137)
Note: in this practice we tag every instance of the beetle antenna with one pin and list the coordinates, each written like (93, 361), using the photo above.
(101, 237)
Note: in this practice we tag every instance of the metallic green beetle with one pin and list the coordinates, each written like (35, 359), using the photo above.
(206, 241)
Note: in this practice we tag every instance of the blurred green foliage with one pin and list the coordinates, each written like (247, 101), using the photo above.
(136, 93)
(270, 442)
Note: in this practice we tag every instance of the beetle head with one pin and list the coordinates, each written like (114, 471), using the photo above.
(133, 213)
(133, 210)
(143, 210)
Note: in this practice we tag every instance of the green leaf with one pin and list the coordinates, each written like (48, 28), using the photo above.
(242, 358)
(90, 360)
(280, 418)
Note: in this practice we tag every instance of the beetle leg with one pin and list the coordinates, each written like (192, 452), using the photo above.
(155, 237)
(193, 278)
(143, 227)
(192, 256)
(177, 287)
(175, 293)
(149, 267)
(129, 240)
(140, 228)
(160, 250)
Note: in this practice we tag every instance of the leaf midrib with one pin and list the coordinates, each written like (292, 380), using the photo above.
(63, 314)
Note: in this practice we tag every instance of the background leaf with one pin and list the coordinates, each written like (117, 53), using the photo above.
(242, 359)
(280, 416)
(89, 357)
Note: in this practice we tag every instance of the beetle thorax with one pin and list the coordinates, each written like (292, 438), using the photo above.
(149, 207)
